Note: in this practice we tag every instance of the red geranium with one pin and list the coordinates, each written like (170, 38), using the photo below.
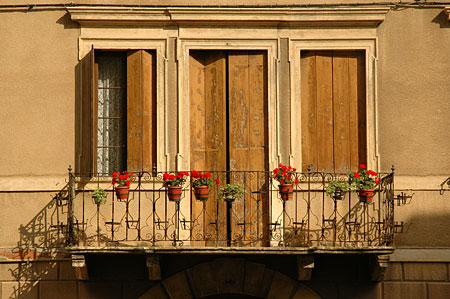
(122, 179)
(175, 180)
(202, 179)
(285, 174)
(363, 179)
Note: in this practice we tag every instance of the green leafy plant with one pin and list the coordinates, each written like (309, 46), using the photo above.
(363, 179)
(99, 196)
(231, 191)
(336, 185)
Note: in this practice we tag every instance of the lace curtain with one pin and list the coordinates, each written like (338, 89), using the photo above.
(111, 114)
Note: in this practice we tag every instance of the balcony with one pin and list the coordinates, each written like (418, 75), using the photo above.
(261, 222)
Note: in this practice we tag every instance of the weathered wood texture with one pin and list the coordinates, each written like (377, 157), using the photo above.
(333, 104)
(208, 126)
(141, 110)
(229, 133)
(88, 157)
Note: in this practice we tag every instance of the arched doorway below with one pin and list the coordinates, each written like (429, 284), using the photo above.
(230, 278)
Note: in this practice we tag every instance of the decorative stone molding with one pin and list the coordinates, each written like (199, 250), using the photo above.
(378, 267)
(79, 263)
(305, 266)
(211, 16)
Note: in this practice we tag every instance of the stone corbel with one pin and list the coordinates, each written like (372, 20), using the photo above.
(378, 267)
(305, 266)
(79, 264)
(154, 267)
(447, 12)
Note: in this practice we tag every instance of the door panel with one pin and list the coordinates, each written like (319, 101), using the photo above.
(228, 112)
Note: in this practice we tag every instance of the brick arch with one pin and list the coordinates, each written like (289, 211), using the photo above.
(230, 276)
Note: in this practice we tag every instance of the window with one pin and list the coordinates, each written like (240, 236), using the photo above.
(333, 110)
(118, 111)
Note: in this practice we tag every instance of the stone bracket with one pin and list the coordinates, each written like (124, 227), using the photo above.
(79, 263)
(378, 267)
(154, 267)
(305, 266)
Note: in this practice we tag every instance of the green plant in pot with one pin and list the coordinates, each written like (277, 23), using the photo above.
(99, 196)
(230, 192)
(337, 189)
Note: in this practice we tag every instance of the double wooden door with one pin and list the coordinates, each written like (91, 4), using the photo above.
(228, 126)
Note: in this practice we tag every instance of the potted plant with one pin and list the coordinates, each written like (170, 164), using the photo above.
(231, 192)
(364, 181)
(99, 196)
(336, 189)
(174, 184)
(122, 182)
(285, 175)
(201, 183)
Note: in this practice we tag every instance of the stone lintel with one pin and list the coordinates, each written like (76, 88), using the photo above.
(305, 266)
(79, 263)
(212, 16)
(154, 267)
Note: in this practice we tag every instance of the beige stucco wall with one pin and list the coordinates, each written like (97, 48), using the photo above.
(38, 55)
(414, 92)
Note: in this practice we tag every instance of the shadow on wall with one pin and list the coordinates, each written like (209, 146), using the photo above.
(442, 20)
(36, 247)
(431, 230)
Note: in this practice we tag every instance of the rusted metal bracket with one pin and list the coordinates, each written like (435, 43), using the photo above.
(79, 263)
(154, 267)
(305, 266)
(378, 267)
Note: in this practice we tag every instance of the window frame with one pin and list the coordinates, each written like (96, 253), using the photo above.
(369, 45)
(88, 45)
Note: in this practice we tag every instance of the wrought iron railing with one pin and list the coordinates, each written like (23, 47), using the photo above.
(261, 218)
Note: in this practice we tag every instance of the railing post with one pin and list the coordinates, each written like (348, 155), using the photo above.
(70, 208)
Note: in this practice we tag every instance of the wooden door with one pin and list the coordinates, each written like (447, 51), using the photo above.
(333, 110)
(228, 112)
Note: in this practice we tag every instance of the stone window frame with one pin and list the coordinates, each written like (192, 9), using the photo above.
(86, 44)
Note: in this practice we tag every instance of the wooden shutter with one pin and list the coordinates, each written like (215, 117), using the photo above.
(88, 157)
(207, 72)
(141, 110)
(333, 110)
(247, 85)
(208, 110)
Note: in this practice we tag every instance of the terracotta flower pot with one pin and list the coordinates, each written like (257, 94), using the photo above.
(286, 191)
(366, 195)
(201, 192)
(122, 192)
(174, 193)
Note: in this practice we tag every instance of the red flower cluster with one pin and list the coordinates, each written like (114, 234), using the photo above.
(364, 179)
(122, 179)
(202, 179)
(285, 174)
(175, 180)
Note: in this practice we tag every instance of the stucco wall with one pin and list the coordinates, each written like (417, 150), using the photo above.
(38, 55)
(413, 92)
